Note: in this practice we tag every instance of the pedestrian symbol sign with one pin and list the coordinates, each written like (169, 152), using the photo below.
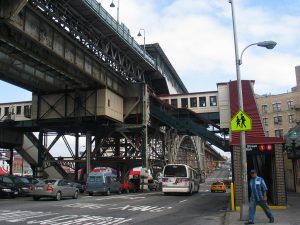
(241, 122)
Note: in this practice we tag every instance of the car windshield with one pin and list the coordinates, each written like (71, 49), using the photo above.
(51, 182)
(24, 180)
(17, 180)
(91, 179)
(175, 171)
(218, 183)
(7, 180)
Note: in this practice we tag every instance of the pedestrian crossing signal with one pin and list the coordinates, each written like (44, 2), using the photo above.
(241, 122)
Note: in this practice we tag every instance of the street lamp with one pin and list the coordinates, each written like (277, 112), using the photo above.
(112, 5)
(269, 45)
(139, 35)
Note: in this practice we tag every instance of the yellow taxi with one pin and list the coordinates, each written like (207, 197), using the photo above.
(218, 187)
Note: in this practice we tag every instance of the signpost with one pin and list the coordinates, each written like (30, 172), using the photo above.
(241, 122)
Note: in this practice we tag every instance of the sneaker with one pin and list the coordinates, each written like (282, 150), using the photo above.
(271, 220)
(250, 222)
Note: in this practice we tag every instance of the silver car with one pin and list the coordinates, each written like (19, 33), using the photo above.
(54, 188)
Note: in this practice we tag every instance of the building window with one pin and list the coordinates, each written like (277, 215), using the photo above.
(166, 101)
(184, 103)
(6, 111)
(279, 133)
(276, 107)
(193, 102)
(0, 111)
(264, 108)
(213, 100)
(291, 104)
(27, 110)
(267, 133)
(277, 120)
(174, 102)
(265, 121)
(19, 108)
(291, 119)
(202, 101)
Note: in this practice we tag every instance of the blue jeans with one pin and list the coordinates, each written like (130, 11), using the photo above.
(263, 205)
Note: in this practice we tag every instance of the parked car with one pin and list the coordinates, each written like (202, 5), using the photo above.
(54, 188)
(103, 180)
(127, 186)
(21, 183)
(80, 185)
(218, 187)
(34, 180)
(153, 185)
(8, 191)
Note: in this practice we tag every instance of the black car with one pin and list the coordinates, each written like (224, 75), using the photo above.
(80, 185)
(22, 183)
(8, 191)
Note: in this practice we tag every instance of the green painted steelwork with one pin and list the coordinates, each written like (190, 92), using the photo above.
(184, 124)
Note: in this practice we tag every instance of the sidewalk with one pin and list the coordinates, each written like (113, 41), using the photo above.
(290, 216)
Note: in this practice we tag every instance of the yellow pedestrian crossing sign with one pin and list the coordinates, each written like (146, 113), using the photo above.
(241, 122)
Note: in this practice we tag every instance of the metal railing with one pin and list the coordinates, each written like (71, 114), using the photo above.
(120, 29)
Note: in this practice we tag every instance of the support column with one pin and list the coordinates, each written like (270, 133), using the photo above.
(88, 152)
(145, 152)
(11, 161)
(280, 176)
(76, 156)
(39, 168)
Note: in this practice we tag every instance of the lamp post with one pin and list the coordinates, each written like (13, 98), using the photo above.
(139, 35)
(112, 5)
(269, 45)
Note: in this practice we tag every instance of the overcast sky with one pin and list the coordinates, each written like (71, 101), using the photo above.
(196, 35)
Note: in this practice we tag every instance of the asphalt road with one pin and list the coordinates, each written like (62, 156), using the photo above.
(204, 208)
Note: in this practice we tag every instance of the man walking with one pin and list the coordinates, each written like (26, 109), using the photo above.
(259, 190)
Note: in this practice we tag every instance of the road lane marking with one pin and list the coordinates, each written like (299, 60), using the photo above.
(183, 201)
(141, 208)
(30, 217)
(95, 206)
(14, 216)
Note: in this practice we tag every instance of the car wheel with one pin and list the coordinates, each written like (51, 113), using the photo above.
(75, 196)
(166, 193)
(91, 193)
(58, 196)
(107, 192)
(212, 191)
(35, 198)
(190, 191)
(119, 191)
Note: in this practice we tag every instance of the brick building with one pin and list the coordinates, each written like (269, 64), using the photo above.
(280, 113)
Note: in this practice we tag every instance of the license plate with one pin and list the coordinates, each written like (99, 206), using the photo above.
(16, 193)
(39, 188)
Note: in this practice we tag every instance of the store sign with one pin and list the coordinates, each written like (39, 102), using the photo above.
(260, 148)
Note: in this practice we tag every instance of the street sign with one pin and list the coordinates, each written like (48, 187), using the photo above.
(241, 122)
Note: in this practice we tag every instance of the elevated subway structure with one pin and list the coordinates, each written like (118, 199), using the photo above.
(90, 78)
